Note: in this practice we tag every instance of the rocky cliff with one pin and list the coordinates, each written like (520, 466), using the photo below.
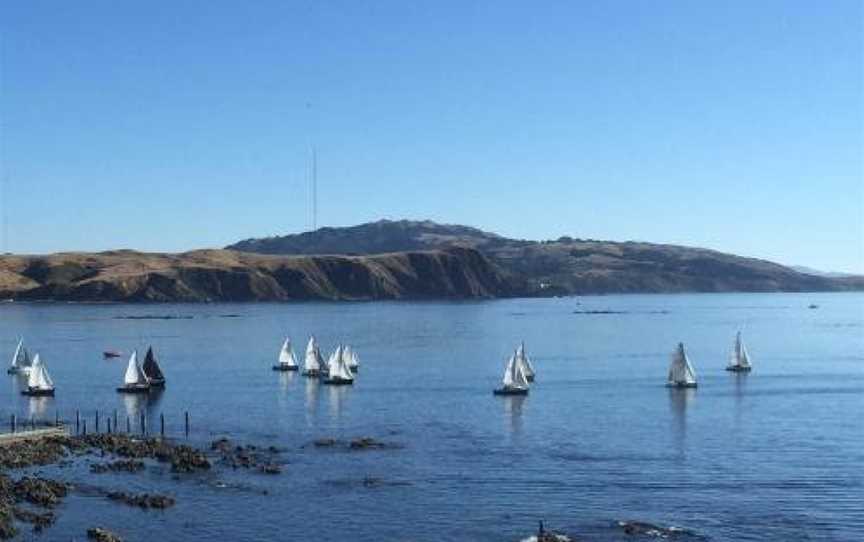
(222, 275)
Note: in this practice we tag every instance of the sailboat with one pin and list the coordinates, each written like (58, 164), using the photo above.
(287, 360)
(515, 382)
(524, 362)
(739, 361)
(38, 381)
(313, 364)
(351, 359)
(338, 373)
(20, 360)
(152, 370)
(681, 373)
(134, 380)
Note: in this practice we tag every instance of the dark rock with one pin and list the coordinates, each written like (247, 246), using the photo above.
(270, 469)
(649, 529)
(39, 491)
(102, 535)
(369, 443)
(39, 521)
(144, 500)
(121, 465)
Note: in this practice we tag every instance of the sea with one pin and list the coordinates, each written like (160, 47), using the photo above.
(776, 454)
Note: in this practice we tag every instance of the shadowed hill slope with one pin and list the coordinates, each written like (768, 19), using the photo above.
(566, 265)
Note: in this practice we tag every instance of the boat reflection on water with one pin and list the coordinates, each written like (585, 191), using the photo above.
(679, 399)
(285, 379)
(135, 404)
(336, 395)
(513, 412)
(312, 386)
(37, 407)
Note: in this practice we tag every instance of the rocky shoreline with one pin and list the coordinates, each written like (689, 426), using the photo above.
(31, 499)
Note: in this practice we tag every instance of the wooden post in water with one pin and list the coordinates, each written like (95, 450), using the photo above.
(115, 420)
(162, 424)
(143, 424)
(187, 424)
(97, 421)
(108, 422)
(128, 425)
(84, 427)
(57, 418)
(13, 423)
(33, 423)
(77, 421)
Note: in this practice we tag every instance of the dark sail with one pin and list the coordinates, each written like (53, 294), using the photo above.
(151, 367)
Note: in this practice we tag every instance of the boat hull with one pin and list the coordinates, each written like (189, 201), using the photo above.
(284, 368)
(133, 389)
(38, 392)
(314, 374)
(510, 391)
(681, 385)
(738, 369)
(157, 382)
(338, 382)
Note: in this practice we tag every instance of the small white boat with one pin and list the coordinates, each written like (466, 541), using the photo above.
(338, 373)
(287, 359)
(39, 382)
(514, 382)
(681, 372)
(152, 370)
(21, 362)
(134, 379)
(739, 361)
(313, 364)
(351, 358)
(524, 362)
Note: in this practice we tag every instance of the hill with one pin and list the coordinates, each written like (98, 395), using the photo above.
(222, 275)
(566, 265)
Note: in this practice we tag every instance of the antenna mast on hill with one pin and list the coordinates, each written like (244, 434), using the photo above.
(314, 189)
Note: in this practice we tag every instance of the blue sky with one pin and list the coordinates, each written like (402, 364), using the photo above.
(177, 125)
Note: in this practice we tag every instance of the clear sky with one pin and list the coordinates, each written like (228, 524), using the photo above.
(172, 125)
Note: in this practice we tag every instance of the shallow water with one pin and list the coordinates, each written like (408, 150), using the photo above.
(773, 455)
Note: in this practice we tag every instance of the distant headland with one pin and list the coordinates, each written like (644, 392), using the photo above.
(397, 260)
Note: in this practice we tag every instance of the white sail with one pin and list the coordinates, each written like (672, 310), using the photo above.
(286, 354)
(338, 366)
(17, 354)
(681, 372)
(39, 377)
(739, 358)
(508, 372)
(312, 361)
(351, 358)
(524, 362)
(333, 359)
(21, 358)
(33, 379)
(134, 374)
(47, 377)
(520, 379)
(514, 375)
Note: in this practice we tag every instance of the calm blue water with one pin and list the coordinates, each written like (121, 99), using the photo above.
(773, 455)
